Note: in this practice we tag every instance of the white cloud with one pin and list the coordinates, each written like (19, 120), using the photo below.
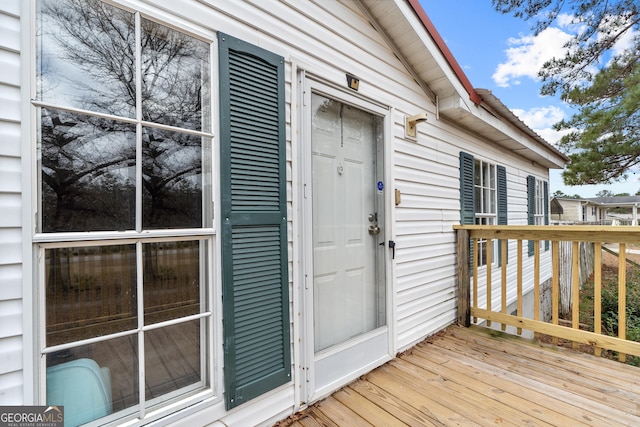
(540, 117)
(528, 53)
(565, 20)
(626, 42)
(551, 135)
(541, 120)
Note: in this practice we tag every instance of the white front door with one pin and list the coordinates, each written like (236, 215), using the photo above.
(348, 242)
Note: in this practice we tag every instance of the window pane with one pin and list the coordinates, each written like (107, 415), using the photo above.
(486, 201)
(94, 380)
(172, 358)
(171, 280)
(478, 172)
(492, 176)
(539, 198)
(492, 201)
(482, 252)
(87, 172)
(86, 56)
(478, 191)
(172, 179)
(175, 78)
(90, 292)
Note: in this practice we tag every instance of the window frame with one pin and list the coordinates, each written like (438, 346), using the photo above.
(538, 213)
(537, 208)
(483, 171)
(468, 201)
(38, 242)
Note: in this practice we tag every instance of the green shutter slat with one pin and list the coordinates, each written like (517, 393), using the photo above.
(501, 189)
(531, 206)
(255, 128)
(257, 355)
(467, 192)
(502, 194)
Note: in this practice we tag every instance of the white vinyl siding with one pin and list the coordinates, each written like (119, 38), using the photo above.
(11, 328)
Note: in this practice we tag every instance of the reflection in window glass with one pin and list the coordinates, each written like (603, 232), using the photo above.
(90, 292)
(174, 77)
(87, 173)
(171, 280)
(172, 179)
(172, 358)
(86, 56)
(95, 380)
(107, 162)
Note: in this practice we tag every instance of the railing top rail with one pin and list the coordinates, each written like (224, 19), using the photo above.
(573, 233)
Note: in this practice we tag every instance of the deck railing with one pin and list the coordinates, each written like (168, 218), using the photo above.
(474, 281)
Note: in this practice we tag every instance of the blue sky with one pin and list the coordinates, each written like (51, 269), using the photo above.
(498, 52)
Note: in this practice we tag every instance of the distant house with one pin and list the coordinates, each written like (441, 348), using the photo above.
(219, 212)
(595, 210)
(571, 210)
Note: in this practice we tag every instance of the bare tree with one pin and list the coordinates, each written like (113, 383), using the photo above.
(88, 62)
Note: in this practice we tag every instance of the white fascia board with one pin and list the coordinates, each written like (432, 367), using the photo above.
(432, 48)
(483, 121)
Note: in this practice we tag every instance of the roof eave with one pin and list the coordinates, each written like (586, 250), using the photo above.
(414, 38)
(444, 49)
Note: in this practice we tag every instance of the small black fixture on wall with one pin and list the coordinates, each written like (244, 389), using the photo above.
(353, 82)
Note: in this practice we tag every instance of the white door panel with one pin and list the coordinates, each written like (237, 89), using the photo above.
(348, 291)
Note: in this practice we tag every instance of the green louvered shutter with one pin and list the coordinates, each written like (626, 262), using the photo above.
(257, 355)
(467, 196)
(467, 191)
(531, 206)
(502, 207)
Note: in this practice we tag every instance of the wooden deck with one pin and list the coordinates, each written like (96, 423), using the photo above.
(479, 377)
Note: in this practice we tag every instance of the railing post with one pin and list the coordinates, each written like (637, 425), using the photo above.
(464, 282)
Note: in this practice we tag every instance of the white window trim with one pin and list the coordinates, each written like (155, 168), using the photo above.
(488, 218)
(539, 214)
(539, 202)
(33, 244)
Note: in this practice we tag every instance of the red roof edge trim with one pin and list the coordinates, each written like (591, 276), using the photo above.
(431, 29)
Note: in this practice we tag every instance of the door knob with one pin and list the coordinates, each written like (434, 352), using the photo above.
(374, 229)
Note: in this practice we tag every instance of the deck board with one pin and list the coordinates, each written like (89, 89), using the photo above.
(402, 411)
(479, 377)
(482, 392)
(588, 385)
(477, 381)
(369, 411)
(553, 397)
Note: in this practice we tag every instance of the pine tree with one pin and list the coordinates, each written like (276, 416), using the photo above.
(601, 81)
